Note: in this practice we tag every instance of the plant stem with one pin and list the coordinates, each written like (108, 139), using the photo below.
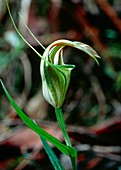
(61, 122)
(73, 162)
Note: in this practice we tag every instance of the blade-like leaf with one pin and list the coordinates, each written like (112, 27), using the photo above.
(63, 148)
(53, 158)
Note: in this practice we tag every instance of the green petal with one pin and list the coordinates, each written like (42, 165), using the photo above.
(56, 81)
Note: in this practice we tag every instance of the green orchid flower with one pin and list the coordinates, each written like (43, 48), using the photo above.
(55, 74)
(55, 81)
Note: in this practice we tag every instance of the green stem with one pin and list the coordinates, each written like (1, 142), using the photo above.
(61, 122)
(73, 162)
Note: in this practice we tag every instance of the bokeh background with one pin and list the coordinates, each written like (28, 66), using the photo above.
(92, 108)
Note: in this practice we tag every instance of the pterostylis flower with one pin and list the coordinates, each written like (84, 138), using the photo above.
(55, 74)
(55, 81)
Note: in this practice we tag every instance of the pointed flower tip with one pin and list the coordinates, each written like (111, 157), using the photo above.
(97, 56)
(0, 80)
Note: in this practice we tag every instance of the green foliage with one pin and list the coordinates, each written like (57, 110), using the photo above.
(53, 158)
(37, 129)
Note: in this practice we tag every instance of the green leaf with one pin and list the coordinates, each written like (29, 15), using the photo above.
(53, 158)
(63, 148)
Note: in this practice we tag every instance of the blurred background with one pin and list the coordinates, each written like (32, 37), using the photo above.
(92, 108)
